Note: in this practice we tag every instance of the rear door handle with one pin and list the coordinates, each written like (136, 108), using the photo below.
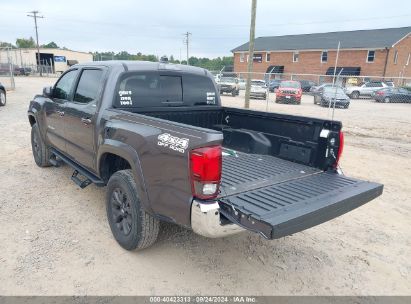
(86, 121)
(61, 113)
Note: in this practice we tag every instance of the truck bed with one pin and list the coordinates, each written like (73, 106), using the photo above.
(278, 173)
(244, 172)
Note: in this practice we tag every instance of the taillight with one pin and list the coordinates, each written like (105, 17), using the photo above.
(205, 171)
(340, 148)
(380, 93)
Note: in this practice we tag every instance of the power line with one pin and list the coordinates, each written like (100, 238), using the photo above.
(187, 42)
(35, 16)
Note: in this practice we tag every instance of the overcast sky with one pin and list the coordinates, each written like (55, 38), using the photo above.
(217, 26)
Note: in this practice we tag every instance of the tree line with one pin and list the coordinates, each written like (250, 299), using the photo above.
(213, 64)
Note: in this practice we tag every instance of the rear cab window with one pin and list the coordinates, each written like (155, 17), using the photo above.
(158, 89)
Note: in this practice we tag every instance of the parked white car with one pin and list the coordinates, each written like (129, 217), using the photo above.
(367, 89)
(258, 89)
(241, 83)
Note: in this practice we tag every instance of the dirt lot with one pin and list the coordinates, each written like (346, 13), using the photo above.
(55, 239)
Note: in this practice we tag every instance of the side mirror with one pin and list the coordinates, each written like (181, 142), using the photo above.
(48, 92)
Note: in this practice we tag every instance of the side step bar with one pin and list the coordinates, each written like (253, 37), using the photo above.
(78, 170)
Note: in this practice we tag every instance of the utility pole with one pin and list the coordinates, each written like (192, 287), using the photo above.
(250, 54)
(187, 42)
(35, 16)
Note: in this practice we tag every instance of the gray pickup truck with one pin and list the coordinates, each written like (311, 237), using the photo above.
(157, 137)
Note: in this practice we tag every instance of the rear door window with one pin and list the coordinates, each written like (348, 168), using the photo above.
(89, 86)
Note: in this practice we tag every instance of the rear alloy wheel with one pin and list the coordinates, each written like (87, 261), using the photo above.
(2, 98)
(387, 100)
(132, 227)
(355, 94)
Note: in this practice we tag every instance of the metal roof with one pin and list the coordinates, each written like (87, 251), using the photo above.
(137, 65)
(362, 39)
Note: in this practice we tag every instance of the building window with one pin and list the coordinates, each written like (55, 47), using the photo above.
(324, 56)
(370, 56)
(395, 57)
(408, 59)
(242, 57)
(248, 56)
(267, 57)
(295, 56)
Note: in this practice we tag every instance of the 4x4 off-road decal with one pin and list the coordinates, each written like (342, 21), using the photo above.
(173, 142)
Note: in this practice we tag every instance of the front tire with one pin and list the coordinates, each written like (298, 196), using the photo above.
(2, 98)
(40, 151)
(387, 100)
(132, 227)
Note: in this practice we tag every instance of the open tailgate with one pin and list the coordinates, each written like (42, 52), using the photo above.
(289, 206)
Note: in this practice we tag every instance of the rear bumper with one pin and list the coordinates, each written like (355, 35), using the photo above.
(206, 221)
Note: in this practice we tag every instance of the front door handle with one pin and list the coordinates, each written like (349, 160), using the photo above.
(61, 113)
(85, 120)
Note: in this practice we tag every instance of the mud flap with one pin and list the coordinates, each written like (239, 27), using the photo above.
(292, 206)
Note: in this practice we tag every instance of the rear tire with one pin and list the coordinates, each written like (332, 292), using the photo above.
(2, 98)
(355, 95)
(132, 227)
(387, 100)
(40, 151)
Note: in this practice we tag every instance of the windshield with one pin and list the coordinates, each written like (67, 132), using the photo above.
(333, 90)
(290, 84)
(258, 83)
(228, 79)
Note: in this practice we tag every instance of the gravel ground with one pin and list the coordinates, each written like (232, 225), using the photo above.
(55, 239)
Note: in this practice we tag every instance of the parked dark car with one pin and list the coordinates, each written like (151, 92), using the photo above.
(17, 71)
(157, 136)
(332, 95)
(2, 95)
(274, 84)
(317, 89)
(306, 85)
(392, 95)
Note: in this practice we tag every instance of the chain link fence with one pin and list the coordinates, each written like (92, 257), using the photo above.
(374, 110)
(325, 90)
(10, 67)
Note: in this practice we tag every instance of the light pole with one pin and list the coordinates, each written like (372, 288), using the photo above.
(250, 54)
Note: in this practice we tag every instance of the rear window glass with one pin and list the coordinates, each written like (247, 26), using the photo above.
(154, 89)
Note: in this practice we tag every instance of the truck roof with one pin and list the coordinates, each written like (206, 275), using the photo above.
(134, 65)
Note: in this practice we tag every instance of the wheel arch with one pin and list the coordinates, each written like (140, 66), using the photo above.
(114, 156)
(32, 119)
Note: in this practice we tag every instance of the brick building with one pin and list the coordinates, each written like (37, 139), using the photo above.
(380, 52)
